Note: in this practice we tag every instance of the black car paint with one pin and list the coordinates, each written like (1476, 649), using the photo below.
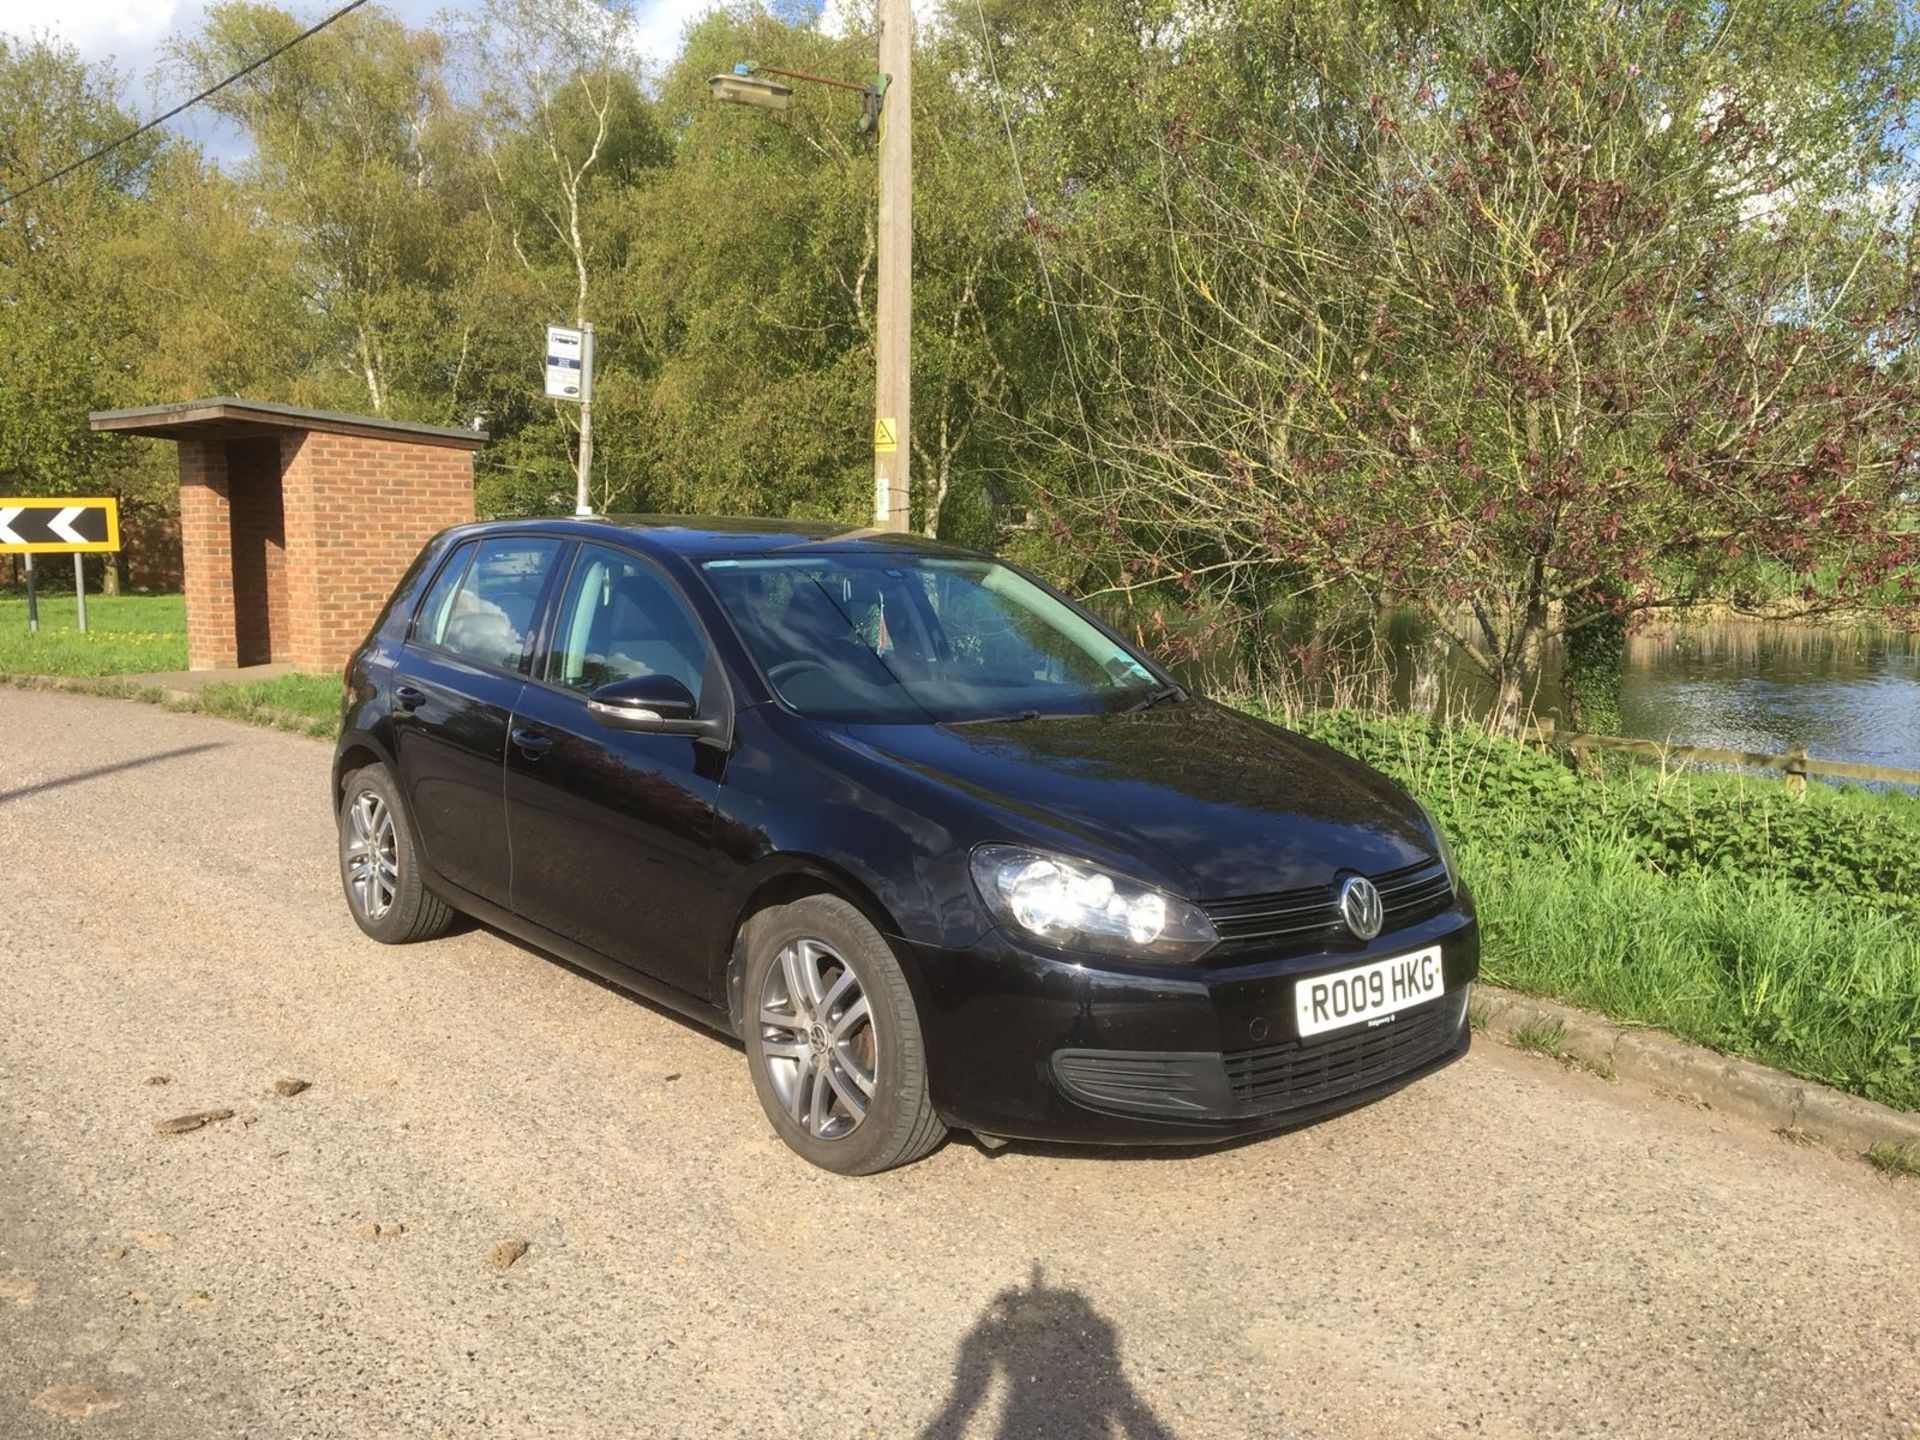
(448, 731)
(638, 856)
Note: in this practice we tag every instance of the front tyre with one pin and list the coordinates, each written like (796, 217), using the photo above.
(833, 1040)
(380, 863)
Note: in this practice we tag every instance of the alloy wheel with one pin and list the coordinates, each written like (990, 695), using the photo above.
(817, 1037)
(373, 855)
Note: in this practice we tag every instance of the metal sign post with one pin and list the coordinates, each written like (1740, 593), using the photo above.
(58, 525)
(570, 377)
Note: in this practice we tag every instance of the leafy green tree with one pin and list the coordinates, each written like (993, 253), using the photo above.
(224, 310)
(750, 268)
(362, 157)
(567, 129)
(983, 339)
(68, 316)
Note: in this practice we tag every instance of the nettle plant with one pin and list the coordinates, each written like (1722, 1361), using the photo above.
(1616, 325)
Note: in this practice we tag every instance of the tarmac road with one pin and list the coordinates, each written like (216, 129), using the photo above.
(1507, 1249)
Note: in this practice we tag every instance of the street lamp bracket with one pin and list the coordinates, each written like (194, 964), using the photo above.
(744, 87)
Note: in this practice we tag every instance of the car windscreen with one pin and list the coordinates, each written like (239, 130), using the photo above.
(858, 637)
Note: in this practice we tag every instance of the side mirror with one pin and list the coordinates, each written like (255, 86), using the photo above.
(653, 704)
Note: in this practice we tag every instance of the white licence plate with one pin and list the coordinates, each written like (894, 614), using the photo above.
(1372, 992)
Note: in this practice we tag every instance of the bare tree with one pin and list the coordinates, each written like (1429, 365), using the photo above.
(551, 76)
(561, 115)
(1512, 343)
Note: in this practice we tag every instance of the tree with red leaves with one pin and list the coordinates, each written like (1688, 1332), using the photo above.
(1532, 326)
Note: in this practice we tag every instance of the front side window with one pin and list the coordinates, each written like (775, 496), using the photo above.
(489, 616)
(919, 637)
(620, 620)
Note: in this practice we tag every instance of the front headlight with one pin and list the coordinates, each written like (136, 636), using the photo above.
(1079, 906)
(1446, 850)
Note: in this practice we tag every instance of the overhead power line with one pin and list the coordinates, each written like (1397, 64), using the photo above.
(1030, 217)
(181, 108)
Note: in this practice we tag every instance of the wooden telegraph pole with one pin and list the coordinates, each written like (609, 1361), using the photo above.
(892, 95)
(893, 324)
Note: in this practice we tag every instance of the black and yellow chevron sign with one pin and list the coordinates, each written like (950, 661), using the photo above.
(65, 524)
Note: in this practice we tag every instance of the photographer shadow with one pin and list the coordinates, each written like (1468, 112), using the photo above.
(1059, 1361)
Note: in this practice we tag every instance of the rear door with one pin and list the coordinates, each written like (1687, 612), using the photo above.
(612, 830)
(459, 674)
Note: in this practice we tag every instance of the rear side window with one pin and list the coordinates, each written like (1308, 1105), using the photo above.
(432, 621)
(488, 615)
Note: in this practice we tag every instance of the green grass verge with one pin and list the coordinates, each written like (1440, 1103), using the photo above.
(125, 635)
(1717, 907)
(137, 634)
(292, 702)
(285, 700)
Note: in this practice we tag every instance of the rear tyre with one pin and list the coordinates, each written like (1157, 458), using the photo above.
(833, 1040)
(380, 863)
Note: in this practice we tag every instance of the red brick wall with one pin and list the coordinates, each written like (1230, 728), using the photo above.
(291, 546)
(149, 556)
(357, 512)
(206, 552)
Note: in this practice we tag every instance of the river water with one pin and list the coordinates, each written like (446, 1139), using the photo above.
(1844, 694)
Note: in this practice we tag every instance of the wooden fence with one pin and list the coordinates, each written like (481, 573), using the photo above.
(1796, 764)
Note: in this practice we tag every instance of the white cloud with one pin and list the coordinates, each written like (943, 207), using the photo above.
(133, 33)
(129, 33)
(661, 27)
(132, 36)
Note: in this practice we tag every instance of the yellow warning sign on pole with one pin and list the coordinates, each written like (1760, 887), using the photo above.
(59, 524)
(886, 437)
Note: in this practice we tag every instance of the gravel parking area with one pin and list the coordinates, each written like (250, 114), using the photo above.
(512, 1200)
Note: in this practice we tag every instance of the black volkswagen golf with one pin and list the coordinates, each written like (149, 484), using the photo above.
(939, 847)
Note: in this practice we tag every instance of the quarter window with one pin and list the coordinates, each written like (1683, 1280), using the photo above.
(620, 620)
(432, 622)
(489, 617)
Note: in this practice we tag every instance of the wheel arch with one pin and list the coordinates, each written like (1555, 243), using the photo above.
(795, 877)
(355, 751)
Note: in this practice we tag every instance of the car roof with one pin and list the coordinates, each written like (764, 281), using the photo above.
(707, 536)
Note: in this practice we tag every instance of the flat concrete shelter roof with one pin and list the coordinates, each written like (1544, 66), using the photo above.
(223, 417)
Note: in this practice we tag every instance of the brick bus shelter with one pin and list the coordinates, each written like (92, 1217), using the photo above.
(295, 524)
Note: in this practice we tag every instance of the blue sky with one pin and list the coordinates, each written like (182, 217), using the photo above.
(132, 35)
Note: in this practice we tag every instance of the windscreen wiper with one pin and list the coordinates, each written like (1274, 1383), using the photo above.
(1014, 718)
(1165, 692)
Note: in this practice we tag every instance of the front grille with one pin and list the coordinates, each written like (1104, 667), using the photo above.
(1414, 893)
(1274, 1080)
(1296, 1074)
(1410, 894)
(1287, 915)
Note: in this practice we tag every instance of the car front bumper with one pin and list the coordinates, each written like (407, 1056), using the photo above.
(1028, 1044)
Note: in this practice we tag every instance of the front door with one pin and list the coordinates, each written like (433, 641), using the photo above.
(612, 830)
(459, 675)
